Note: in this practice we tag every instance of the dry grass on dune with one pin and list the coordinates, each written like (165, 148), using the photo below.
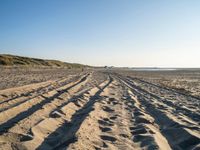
(11, 60)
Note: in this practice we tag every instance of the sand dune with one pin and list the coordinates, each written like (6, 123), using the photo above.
(98, 110)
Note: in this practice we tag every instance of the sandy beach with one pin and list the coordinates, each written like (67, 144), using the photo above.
(99, 75)
(99, 109)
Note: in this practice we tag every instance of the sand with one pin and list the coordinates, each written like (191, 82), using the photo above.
(98, 109)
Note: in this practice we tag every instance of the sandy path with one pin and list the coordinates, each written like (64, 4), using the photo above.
(181, 130)
(98, 111)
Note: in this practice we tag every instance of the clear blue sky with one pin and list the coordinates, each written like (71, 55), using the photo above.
(103, 32)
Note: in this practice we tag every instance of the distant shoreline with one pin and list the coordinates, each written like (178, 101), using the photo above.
(163, 69)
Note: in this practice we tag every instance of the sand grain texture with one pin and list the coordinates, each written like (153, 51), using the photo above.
(98, 109)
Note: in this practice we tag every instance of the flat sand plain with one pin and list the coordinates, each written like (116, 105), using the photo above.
(99, 109)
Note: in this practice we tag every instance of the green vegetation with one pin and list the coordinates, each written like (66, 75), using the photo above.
(11, 60)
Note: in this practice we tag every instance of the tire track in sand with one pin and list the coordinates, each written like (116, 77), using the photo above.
(9, 118)
(177, 135)
(65, 134)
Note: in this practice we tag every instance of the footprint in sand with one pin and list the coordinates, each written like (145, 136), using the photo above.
(137, 113)
(143, 138)
(113, 101)
(141, 119)
(105, 129)
(139, 131)
(124, 135)
(108, 138)
(113, 117)
(102, 146)
(106, 122)
(107, 109)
